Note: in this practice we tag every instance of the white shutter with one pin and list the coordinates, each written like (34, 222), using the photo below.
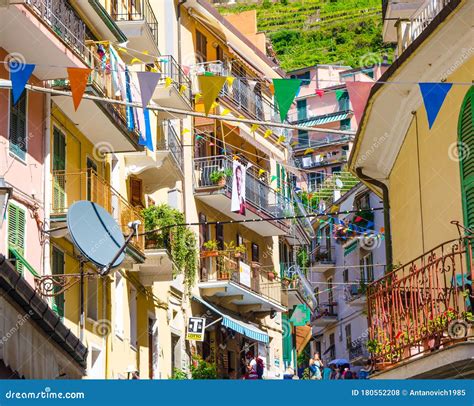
(118, 300)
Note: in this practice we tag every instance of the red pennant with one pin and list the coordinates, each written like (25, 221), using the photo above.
(78, 82)
(320, 92)
(358, 95)
(358, 218)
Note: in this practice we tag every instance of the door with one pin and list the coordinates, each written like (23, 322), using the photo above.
(466, 161)
(59, 171)
(92, 181)
(57, 269)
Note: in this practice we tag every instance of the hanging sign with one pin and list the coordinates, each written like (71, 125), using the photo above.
(245, 274)
(196, 329)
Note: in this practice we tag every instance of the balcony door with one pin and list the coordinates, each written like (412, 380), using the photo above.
(59, 168)
(92, 181)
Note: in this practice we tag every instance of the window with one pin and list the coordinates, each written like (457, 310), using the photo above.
(343, 102)
(302, 111)
(220, 236)
(314, 180)
(303, 139)
(367, 268)
(92, 184)
(18, 139)
(57, 268)
(346, 124)
(348, 336)
(336, 169)
(92, 298)
(136, 192)
(203, 229)
(332, 346)
(345, 276)
(16, 232)
(316, 294)
(219, 54)
(201, 46)
(305, 77)
(118, 301)
(59, 165)
(132, 308)
(362, 202)
(255, 252)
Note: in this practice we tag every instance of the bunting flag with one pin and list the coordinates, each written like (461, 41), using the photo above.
(253, 128)
(267, 134)
(147, 82)
(273, 178)
(294, 144)
(281, 139)
(199, 137)
(210, 87)
(168, 82)
(308, 151)
(78, 82)
(433, 97)
(186, 130)
(285, 92)
(148, 136)
(135, 60)
(182, 89)
(359, 94)
(20, 73)
(197, 97)
(214, 105)
(225, 112)
(339, 93)
(272, 89)
(320, 92)
(230, 80)
(261, 172)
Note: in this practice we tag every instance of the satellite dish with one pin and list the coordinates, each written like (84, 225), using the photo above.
(95, 233)
(339, 183)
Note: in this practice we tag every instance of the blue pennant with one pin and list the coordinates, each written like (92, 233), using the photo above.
(20, 73)
(433, 97)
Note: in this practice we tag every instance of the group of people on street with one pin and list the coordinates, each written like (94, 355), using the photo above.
(253, 366)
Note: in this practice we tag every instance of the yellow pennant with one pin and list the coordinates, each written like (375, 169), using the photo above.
(278, 190)
(168, 81)
(225, 112)
(197, 97)
(267, 134)
(308, 151)
(230, 80)
(135, 60)
(182, 89)
(186, 130)
(235, 157)
(253, 128)
(210, 87)
(294, 143)
(281, 139)
(241, 116)
(261, 172)
(214, 105)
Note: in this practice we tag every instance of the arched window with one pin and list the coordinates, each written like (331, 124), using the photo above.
(466, 157)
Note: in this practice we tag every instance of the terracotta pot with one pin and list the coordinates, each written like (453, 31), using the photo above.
(271, 276)
(237, 254)
(221, 182)
(209, 254)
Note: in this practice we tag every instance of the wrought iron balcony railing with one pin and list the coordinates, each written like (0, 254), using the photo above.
(172, 143)
(422, 306)
(258, 193)
(323, 159)
(63, 21)
(136, 10)
(225, 267)
(170, 68)
(70, 187)
(358, 349)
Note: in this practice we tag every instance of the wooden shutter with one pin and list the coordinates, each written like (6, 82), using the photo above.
(466, 148)
(59, 166)
(136, 192)
(57, 268)
(18, 126)
(16, 231)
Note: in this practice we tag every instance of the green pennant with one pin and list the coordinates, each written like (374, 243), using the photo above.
(273, 178)
(340, 93)
(285, 92)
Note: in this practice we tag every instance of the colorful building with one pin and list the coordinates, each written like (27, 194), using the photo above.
(420, 313)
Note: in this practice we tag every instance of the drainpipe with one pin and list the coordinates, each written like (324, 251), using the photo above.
(386, 216)
(47, 183)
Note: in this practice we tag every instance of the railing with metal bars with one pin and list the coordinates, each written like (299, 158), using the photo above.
(169, 68)
(424, 305)
(358, 349)
(170, 142)
(322, 159)
(136, 10)
(258, 193)
(225, 267)
(70, 187)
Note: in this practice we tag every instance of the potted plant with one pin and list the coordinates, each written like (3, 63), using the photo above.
(271, 274)
(211, 249)
(255, 265)
(286, 281)
(239, 250)
(219, 178)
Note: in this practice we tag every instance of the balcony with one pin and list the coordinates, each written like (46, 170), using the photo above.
(324, 315)
(358, 352)
(52, 24)
(178, 95)
(421, 313)
(322, 159)
(161, 168)
(355, 294)
(230, 281)
(88, 185)
(114, 133)
(324, 259)
(261, 200)
(312, 120)
(139, 24)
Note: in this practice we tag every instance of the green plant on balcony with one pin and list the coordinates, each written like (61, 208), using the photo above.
(302, 257)
(220, 177)
(179, 374)
(362, 288)
(179, 240)
(201, 369)
(211, 249)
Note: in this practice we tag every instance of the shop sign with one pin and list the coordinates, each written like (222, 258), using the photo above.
(245, 273)
(196, 329)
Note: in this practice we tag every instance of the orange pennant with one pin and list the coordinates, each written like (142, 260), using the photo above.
(78, 82)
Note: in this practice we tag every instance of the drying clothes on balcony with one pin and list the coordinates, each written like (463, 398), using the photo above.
(117, 69)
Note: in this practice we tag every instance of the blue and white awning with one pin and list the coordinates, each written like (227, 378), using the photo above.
(328, 118)
(233, 323)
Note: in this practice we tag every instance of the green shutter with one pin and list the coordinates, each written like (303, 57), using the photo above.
(466, 149)
(57, 268)
(16, 231)
(59, 164)
(18, 126)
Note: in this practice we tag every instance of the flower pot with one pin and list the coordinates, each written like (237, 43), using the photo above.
(209, 254)
(271, 276)
(221, 182)
(237, 254)
(286, 282)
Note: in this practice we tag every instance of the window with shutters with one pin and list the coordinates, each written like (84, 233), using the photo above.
(59, 165)
(16, 232)
(348, 336)
(18, 139)
(466, 161)
(201, 46)
(118, 305)
(302, 109)
(136, 192)
(57, 268)
(92, 298)
(132, 307)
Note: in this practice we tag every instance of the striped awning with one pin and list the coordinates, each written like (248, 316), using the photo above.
(330, 118)
(240, 326)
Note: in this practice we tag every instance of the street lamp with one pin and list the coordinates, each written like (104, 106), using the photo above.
(5, 194)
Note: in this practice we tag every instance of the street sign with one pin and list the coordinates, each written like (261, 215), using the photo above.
(196, 328)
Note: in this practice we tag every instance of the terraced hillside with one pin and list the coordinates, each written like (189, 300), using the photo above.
(307, 32)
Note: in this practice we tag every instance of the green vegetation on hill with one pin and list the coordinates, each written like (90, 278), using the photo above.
(309, 32)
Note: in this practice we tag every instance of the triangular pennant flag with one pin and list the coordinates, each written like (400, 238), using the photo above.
(230, 80)
(182, 89)
(253, 128)
(285, 92)
(281, 139)
(308, 151)
(267, 134)
(320, 92)
(199, 137)
(135, 60)
(78, 82)
(168, 82)
(358, 95)
(148, 135)
(147, 82)
(294, 144)
(210, 87)
(358, 218)
(273, 178)
(433, 97)
(186, 130)
(261, 172)
(208, 74)
(20, 73)
(197, 97)
(225, 112)
(340, 93)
